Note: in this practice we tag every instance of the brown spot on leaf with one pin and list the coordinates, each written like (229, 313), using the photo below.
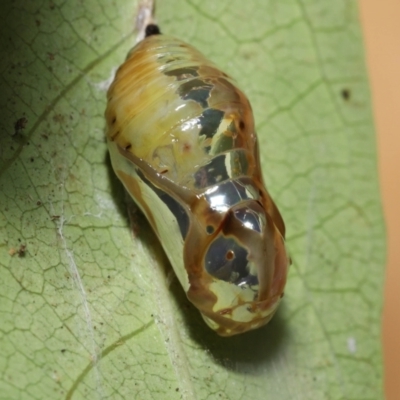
(346, 94)
(59, 118)
(21, 250)
(20, 125)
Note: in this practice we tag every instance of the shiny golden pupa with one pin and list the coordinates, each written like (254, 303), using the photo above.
(182, 141)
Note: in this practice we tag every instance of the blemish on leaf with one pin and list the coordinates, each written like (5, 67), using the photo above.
(58, 118)
(20, 125)
(346, 94)
(21, 251)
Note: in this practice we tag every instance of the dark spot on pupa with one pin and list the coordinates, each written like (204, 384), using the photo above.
(197, 90)
(346, 94)
(114, 120)
(183, 73)
(241, 124)
(186, 147)
(127, 147)
(210, 120)
(209, 229)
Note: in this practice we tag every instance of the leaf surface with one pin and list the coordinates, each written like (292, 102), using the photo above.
(89, 307)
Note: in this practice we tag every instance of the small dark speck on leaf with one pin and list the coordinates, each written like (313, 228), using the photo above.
(58, 118)
(38, 203)
(20, 125)
(51, 56)
(32, 159)
(63, 350)
(346, 94)
(21, 251)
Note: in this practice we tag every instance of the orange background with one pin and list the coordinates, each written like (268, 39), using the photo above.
(381, 24)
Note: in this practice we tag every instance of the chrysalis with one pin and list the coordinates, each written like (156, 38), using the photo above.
(182, 141)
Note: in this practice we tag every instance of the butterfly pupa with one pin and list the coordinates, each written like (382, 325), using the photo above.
(182, 140)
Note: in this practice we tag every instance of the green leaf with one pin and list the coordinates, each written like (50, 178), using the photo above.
(89, 307)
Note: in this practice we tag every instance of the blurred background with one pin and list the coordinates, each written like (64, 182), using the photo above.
(380, 21)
